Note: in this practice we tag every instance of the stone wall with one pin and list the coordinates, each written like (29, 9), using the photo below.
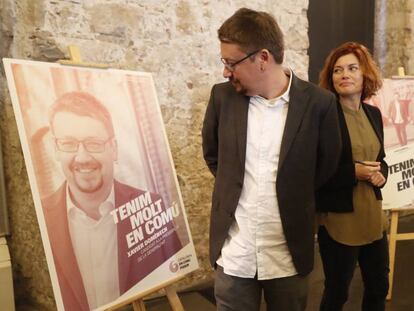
(394, 36)
(410, 37)
(173, 39)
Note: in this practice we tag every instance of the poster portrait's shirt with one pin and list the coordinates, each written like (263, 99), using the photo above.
(398, 116)
(96, 250)
(256, 242)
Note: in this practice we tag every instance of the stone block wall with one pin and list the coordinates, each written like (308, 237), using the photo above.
(175, 40)
(394, 36)
(410, 37)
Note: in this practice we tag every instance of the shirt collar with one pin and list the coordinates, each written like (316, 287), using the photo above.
(284, 98)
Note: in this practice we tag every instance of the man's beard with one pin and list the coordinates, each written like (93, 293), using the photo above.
(238, 86)
(87, 176)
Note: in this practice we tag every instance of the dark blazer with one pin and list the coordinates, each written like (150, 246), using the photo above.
(69, 276)
(337, 194)
(308, 157)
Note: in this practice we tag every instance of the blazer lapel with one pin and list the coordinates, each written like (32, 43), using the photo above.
(372, 120)
(64, 255)
(123, 263)
(242, 110)
(123, 194)
(296, 109)
(376, 126)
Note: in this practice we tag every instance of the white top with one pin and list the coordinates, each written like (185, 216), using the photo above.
(96, 250)
(256, 242)
(398, 117)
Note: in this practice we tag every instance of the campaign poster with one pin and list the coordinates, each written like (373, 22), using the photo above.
(396, 102)
(110, 212)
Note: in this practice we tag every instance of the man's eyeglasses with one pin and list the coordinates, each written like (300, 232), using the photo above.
(72, 145)
(231, 66)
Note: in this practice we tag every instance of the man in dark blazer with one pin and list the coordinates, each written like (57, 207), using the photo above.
(270, 139)
(91, 253)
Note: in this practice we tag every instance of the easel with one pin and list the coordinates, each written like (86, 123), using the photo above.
(401, 74)
(76, 59)
(137, 300)
(394, 236)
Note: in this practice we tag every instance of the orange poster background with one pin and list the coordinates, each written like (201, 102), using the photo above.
(144, 159)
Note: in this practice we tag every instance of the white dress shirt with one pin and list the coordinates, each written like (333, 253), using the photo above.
(398, 117)
(95, 244)
(256, 242)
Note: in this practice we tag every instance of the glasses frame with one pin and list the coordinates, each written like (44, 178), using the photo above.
(101, 141)
(231, 66)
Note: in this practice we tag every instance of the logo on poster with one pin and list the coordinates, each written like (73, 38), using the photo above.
(180, 263)
(174, 266)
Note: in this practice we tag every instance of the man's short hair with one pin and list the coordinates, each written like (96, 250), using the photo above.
(82, 104)
(253, 30)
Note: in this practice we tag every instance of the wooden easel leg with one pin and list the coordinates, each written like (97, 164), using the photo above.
(173, 299)
(138, 305)
(392, 247)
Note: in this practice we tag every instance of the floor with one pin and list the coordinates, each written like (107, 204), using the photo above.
(202, 298)
(403, 289)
